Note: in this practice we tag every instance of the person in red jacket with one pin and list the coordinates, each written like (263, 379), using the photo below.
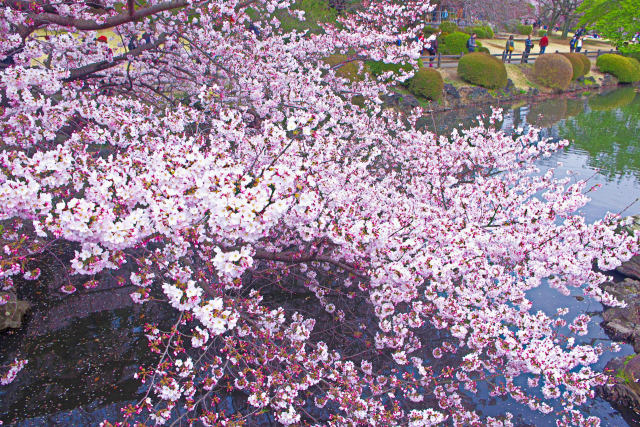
(544, 42)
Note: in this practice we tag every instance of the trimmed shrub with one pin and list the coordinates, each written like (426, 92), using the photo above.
(483, 32)
(525, 30)
(512, 25)
(542, 33)
(586, 63)
(483, 49)
(553, 70)
(426, 83)
(449, 27)
(626, 70)
(454, 43)
(428, 30)
(377, 68)
(358, 100)
(614, 99)
(483, 70)
(348, 70)
(636, 66)
(576, 63)
(631, 51)
(316, 12)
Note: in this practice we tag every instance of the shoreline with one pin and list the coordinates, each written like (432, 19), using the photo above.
(458, 94)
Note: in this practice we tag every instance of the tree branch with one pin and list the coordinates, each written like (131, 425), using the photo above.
(83, 72)
(123, 18)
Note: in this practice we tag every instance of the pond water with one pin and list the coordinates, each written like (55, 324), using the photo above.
(83, 350)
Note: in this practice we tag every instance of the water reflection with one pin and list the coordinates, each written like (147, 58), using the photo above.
(609, 132)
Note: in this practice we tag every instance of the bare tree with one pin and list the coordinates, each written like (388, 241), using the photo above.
(555, 11)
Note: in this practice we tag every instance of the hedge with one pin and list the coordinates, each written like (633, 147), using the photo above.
(483, 70)
(542, 33)
(626, 70)
(454, 44)
(576, 63)
(586, 63)
(426, 83)
(525, 30)
(348, 70)
(614, 99)
(553, 70)
(512, 25)
(428, 30)
(449, 27)
(482, 31)
(377, 68)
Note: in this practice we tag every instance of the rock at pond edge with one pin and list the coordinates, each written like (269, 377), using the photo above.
(12, 312)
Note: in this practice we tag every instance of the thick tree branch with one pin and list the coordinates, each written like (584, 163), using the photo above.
(87, 70)
(123, 18)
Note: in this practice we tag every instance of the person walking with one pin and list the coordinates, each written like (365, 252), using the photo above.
(578, 44)
(432, 43)
(572, 43)
(471, 43)
(544, 42)
(528, 45)
(508, 49)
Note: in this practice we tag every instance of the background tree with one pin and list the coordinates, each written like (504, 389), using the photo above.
(559, 11)
(616, 20)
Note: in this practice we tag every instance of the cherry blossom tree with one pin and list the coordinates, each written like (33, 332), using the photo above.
(322, 256)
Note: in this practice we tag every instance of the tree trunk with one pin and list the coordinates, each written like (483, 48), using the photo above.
(565, 28)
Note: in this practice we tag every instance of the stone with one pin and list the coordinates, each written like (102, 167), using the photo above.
(12, 312)
(408, 101)
(631, 268)
(625, 390)
(392, 99)
(450, 92)
(478, 93)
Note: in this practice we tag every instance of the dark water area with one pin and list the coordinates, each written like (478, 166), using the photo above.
(83, 349)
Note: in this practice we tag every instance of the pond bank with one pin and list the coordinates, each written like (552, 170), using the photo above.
(623, 324)
(458, 94)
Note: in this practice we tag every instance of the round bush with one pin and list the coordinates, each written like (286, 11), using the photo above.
(483, 32)
(512, 25)
(454, 43)
(525, 30)
(348, 70)
(378, 68)
(483, 70)
(586, 63)
(626, 70)
(428, 30)
(483, 49)
(614, 99)
(576, 63)
(426, 83)
(542, 33)
(553, 70)
(636, 67)
(631, 51)
(449, 27)
(489, 31)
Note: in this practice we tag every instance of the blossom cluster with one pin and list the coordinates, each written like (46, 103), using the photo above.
(318, 252)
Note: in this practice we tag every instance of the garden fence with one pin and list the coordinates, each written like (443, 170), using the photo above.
(450, 61)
